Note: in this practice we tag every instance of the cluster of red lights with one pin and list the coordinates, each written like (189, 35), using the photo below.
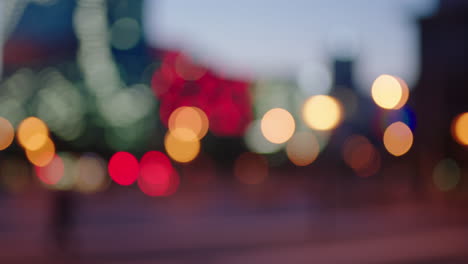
(154, 173)
(182, 82)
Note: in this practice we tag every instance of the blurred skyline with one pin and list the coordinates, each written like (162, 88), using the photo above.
(274, 38)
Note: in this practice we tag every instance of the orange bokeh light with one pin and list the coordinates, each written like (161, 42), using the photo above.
(42, 156)
(277, 125)
(32, 133)
(188, 118)
(303, 148)
(460, 129)
(389, 92)
(398, 138)
(181, 150)
(7, 133)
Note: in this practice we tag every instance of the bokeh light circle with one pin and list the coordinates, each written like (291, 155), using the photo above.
(322, 112)
(123, 168)
(191, 118)
(52, 173)
(42, 156)
(32, 133)
(251, 168)
(277, 125)
(7, 133)
(181, 150)
(398, 138)
(92, 174)
(361, 155)
(446, 174)
(256, 142)
(70, 176)
(404, 93)
(460, 129)
(389, 92)
(157, 176)
(303, 148)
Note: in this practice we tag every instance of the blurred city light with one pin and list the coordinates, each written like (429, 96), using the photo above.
(322, 112)
(460, 129)
(233, 131)
(188, 118)
(404, 93)
(52, 173)
(157, 176)
(182, 150)
(60, 105)
(398, 138)
(92, 173)
(360, 155)
(256, 141)
(389, 92)
(7, 133)
(123, 168)
(42, 156)
(251, 168)
(303, 148)
(70, 172)
(32, 133)
(125, 33)
(278, 125)
(446, 174)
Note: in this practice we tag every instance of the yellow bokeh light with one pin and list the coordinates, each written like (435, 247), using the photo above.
(404, 93)
(277, 125)
(7, 133)
(251, 168)
(42, 156)
(181, 150)
(398, 138)
(322, 112)
(188, 118)
(460, 129)
(303, 148)
(389, 92)
(32, 133)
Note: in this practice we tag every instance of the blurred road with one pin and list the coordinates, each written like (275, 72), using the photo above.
(232, 226)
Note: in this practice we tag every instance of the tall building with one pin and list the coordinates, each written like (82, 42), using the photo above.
(442, 91)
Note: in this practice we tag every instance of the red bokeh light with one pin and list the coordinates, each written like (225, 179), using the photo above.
(123, 168)
(157, 176)
(226, 102)
(52, 173)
